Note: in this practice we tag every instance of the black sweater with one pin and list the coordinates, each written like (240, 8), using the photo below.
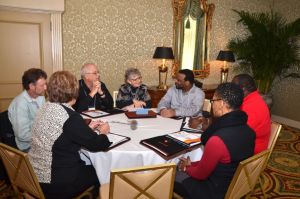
(84, 100)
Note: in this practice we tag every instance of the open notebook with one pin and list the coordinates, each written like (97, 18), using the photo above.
(116, 140)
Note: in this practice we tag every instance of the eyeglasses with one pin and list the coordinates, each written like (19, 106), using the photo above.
(213, 100)
(136, 79)
(94, 73)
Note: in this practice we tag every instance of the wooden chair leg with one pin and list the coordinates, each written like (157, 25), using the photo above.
(86, 193)
(261, 187)
(176, 196)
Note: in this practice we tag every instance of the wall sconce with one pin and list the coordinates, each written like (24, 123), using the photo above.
(163, 53)
(225, 56)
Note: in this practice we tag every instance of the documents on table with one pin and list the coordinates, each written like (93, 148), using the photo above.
(134, 115)
(95, 113)
(116, 139)
(173, 144)
(186, 137)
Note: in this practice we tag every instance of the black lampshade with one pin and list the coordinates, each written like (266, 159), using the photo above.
(163, 53)
(226, 55)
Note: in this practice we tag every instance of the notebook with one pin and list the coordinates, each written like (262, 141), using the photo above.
(116, 140)
(94, 113)
(171, 145)
(134, 115)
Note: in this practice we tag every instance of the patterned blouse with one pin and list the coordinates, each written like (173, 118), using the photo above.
(128, 93)
(58, 134)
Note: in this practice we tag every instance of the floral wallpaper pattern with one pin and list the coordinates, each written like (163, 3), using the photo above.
(117, 34)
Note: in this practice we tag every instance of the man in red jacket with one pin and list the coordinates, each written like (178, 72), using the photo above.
(256, 109)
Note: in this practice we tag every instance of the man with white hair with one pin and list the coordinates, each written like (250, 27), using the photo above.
(93, 93)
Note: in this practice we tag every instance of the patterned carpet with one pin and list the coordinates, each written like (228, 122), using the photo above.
(281, 178)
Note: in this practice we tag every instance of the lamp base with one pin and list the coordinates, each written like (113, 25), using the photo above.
(224, 75)
(162, 87)
(162, 78)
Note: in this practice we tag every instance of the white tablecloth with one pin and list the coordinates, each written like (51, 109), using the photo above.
(132, 153)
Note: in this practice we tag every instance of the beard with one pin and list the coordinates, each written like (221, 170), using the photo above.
(178, 86)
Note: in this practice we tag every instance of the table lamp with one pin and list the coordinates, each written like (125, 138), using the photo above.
(163, 53)
(225, 56)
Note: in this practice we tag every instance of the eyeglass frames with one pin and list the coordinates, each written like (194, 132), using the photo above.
(213, 100)
(136, 79)
(94, 73)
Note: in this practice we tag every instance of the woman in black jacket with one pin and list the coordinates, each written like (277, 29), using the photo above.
(58, 134)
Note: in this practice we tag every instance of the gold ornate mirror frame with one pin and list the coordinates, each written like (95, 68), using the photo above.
(178, 13)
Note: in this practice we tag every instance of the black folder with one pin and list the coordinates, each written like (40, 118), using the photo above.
(116, 140)
(133, 115)
(167, 147)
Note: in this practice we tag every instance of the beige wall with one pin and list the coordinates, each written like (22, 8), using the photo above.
(122, 33)
(40, 5)
(116, 35)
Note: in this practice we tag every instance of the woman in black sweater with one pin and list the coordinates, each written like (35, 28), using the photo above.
(58, 134)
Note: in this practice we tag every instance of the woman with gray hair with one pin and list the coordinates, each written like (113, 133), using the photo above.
(133, 94)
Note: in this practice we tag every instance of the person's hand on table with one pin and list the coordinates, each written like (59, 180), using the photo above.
(206, 122)
(194, 122)
(168, 112)
(103, 128)
(183, 163)
(94, 124)
(138, 104)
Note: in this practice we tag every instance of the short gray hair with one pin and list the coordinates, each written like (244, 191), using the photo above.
(83, 70)
(131, 71)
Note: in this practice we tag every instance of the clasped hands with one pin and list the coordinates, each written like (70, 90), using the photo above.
(183, 163)
(135, 104)
(194, 122)
(102, 127)
(96, 88)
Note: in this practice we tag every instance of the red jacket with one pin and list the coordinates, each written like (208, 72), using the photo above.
(258, 119)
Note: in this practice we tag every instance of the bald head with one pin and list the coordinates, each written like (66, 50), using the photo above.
(87, 68)
(90, 73)
(245, 82)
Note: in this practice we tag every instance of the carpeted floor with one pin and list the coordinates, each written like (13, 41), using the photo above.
(281, 179)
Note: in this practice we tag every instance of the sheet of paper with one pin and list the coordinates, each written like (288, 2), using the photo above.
(115, 138)
(186, 137)
(96, 113)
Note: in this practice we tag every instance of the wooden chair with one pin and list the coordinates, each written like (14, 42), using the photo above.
(21, 174)
(115, 95)
(206, 109)
(275, 130)
(206, 105)
(246, 175)
(155, 181)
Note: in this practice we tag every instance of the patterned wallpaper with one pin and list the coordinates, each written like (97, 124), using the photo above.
(117, 34)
